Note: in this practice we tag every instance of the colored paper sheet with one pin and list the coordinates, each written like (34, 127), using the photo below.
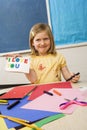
(29, 114)
(3, 125)
(40, 88)
(50, 103)
(49, 119)
(26, 128)
(18, 64)
(45, 121)
(17, 92)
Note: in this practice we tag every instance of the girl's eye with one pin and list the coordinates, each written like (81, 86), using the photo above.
(37, 40)
(46, 39)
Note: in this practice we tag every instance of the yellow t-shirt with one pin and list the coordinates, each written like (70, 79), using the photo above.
(48, 68)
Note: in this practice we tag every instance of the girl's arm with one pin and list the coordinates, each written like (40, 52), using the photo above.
(67, 74)
(31, 76)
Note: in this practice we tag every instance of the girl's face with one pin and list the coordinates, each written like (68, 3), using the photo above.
(41, 43)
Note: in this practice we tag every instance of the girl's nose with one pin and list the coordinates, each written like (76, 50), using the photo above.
(42, 42)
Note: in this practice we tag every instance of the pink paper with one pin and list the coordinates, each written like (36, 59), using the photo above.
(51, 103)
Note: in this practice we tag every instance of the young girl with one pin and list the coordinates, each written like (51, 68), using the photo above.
(47, 64)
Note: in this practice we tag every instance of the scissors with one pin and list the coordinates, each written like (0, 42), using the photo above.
(70, 102)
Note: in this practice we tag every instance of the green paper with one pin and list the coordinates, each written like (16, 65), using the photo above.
(49, 119)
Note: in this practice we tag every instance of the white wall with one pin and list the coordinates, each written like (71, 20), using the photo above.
(76, 59)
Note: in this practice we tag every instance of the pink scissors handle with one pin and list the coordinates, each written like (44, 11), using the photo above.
(66, 104)
(81, 103)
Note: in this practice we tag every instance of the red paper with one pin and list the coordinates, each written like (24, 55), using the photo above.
(40, 88)
(18, 92)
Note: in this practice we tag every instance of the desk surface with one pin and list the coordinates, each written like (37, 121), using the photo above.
(75, 121)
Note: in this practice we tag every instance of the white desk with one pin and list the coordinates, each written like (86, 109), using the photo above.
(75, 121)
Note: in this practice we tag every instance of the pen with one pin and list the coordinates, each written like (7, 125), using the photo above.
(13, 104)
(49, 93)
(72, 76)
(57, 92)
(22, 122)
(3, 101)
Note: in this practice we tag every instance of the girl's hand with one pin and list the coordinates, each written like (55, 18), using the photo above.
(75, 79)
(68, 76)
(13, 55)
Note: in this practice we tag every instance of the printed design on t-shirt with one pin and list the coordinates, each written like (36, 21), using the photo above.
(57, 76)
(41, 67)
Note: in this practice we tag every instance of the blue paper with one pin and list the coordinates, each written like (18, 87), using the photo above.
(16, 111)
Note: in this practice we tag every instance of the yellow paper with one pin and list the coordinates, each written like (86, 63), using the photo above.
(3, 125)
(26, 128)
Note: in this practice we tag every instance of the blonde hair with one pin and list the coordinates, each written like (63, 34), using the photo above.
(37, 28)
